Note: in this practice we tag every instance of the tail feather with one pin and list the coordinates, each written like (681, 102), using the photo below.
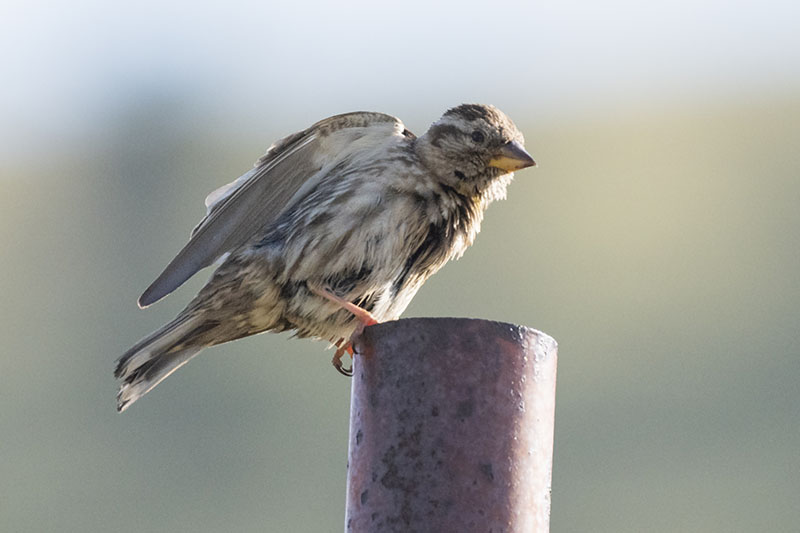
(155, 357)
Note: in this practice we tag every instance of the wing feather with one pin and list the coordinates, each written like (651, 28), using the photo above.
(242, 209)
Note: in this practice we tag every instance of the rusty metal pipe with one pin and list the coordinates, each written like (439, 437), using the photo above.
(451, 427)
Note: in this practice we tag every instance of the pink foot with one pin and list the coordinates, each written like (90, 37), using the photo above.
(364, 317)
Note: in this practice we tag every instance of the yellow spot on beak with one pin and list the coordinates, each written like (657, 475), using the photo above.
(512, 156)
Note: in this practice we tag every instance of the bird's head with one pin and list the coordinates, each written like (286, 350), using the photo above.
(475, 149)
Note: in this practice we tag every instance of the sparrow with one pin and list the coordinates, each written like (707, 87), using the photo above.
(335, 228)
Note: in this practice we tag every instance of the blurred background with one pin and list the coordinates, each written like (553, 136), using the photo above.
(658, 241)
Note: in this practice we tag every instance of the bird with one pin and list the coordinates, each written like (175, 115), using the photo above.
(335, 228)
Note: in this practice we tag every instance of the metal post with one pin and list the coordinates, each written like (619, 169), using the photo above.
(451, 427)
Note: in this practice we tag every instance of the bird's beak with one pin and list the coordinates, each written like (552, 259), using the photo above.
(512, 156)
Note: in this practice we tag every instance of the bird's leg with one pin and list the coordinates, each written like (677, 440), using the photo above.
(364, 317)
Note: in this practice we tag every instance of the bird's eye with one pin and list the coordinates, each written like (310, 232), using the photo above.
(477, 136)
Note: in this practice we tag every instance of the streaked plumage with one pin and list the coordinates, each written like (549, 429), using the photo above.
(355, 205)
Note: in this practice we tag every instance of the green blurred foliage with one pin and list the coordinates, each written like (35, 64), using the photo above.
(659, 247)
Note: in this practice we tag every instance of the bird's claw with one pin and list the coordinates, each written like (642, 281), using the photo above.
(337, 361)
(337, 364)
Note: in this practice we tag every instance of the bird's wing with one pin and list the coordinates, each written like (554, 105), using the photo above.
(288, 171)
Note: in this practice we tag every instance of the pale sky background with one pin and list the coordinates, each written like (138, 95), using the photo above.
(67, 65)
